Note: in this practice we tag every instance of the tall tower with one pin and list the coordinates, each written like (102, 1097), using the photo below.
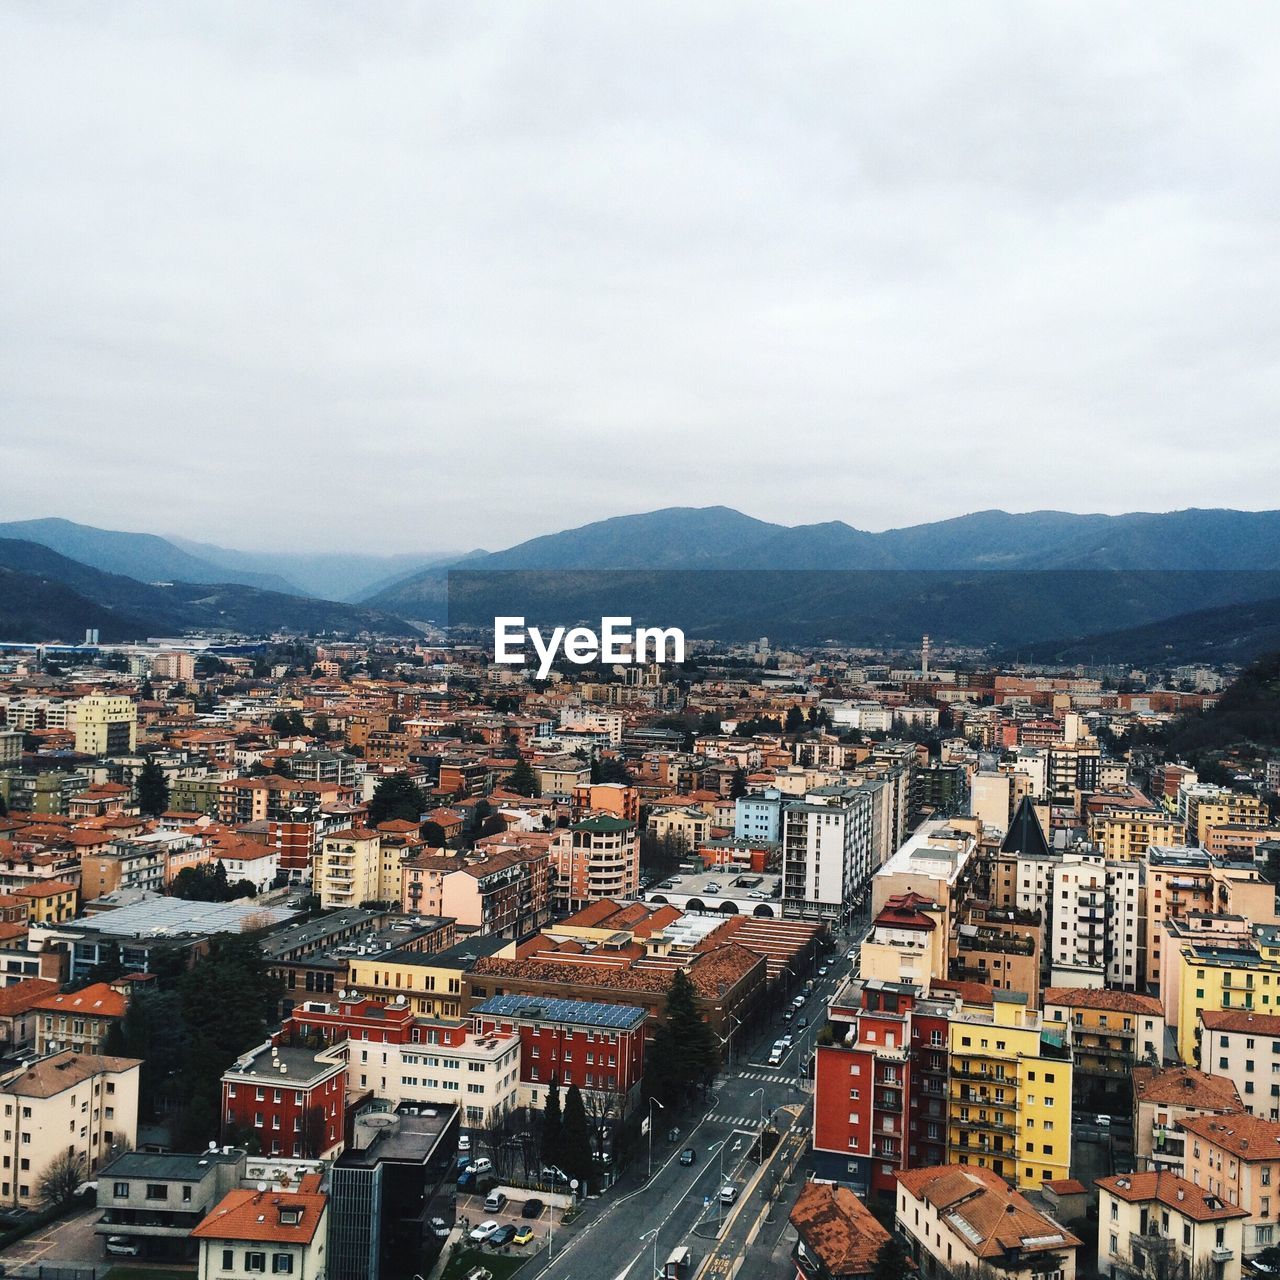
(924, 656)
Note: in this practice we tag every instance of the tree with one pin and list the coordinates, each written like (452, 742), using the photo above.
(56, 1187)
(280, 724)
(738, 784)
(153, 789)
(610, 769)
(551, 1123)
(522, 780)
(4, 807)
(575, 1137)
(891, 1261)
(396, 799)
(320, 726)
(684, 1055)
(794, 721)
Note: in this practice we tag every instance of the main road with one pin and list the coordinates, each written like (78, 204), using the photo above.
(681, 1203)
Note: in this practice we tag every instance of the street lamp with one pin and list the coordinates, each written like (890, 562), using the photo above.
(652, 1103)
(643, 1238)
(752, 1094)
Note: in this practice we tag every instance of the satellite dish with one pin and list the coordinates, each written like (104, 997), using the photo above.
(262, 1186)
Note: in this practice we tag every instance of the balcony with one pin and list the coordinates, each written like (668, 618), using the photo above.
(1220, 1253)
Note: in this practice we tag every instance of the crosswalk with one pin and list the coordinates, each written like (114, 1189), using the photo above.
(769, 1077)
(738, 1122)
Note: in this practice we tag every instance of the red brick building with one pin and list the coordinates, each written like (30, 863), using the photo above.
(292, 1100)
(599, 1047)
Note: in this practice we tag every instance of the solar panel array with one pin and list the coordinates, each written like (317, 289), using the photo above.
(582, 1013)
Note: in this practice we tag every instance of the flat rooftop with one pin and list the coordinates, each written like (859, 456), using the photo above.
(569, 1013)
(161, 916)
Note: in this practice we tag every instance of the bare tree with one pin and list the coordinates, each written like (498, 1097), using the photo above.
(58, 1183)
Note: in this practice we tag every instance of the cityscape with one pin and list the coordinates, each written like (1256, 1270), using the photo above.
(639, 642)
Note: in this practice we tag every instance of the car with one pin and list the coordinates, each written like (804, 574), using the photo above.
(603, 1157)
(789, 1015)
(851, 954)
(728, 1193)
(1261, 1268)
(479, 1273)
(439, 1228)
(122, 1246)
(1104, 1121)
(464, 1142)
(755, 893)
(787, 1041)
(483, 1165)
(688, 1155)
(823, 970)
(532, 1209)
(482, 1231)
(550, 1173)
(504, 1235)
(798, 1002)
(466, 1180)
(523, 1236)
(801, 1023)
(495, 1202)
(775, 1057)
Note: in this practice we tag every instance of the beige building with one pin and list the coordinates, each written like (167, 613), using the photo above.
(82, 1105)
(1126, 833)
(1162, 1100)
(961, 1220)
(106, 725)
(1244, 1047)
(352, 867)
(1237, 1158)
(1159, 1225)
(250, 1234)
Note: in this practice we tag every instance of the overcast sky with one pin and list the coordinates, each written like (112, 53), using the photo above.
(450, 275)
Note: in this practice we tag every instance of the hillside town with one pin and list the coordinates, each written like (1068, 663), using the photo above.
(376, 959)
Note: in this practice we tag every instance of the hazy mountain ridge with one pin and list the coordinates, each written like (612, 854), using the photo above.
(48, 596)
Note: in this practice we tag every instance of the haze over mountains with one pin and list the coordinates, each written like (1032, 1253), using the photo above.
(264, 590)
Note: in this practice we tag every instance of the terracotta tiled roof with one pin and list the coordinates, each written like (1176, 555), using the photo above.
(256, 1215)
(1103, 1000)
(1263, 1024)
(1173, 1190)
(1248, 1137)
(1185, 1087)
(44, 889)
(23, 995)
(998, 1218)
(836, 1226)
(97, 998)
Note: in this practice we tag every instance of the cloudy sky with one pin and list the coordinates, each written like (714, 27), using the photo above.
(446, 275)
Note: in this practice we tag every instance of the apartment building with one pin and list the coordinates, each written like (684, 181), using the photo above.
(251, 1233)
(1162, 1099)
(79, 1020)
(601, 860)
(1111, 1032)
(106, 725)
(1097, 922)
(837, 1236)
(1124, 834)
(291, 1101)
(907, 942)
(965, 1220)
(1011, 1089)
(1244, 1047)
(348, 870)
(1237, 1158)
(77, 1104)
(1160, 1224)
(826, 851)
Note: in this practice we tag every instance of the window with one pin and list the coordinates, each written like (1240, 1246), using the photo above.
(254, 1260)
(228, 1259)
(157, 1191)
(282, 1264)
(120, 1190)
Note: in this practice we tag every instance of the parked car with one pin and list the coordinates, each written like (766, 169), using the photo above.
(801, 1023)
(495, 1202)
(483, 1165)
(798, 1002)
(523, 1236)
(550, 1173)
(786, 1041)
(851, 954)
(479, 1273)
(504, 1235)
(775, 1056)
(482, 1231)
(728, 1193)
(466, 1180)
(122, 1247)
(532, 1209)
(823, 970)
(464, 1142)
(439, 1228)
(688, 1155)
(787, 1017)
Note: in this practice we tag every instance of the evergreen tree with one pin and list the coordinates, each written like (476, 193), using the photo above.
(575, 1137)
(4, 807)
(551, 1123)
(397, 799)
(320, 726)
(153, 789)
(522, 780)
(280, 724)
(738, 784)
(684, 1054)
(795, 720)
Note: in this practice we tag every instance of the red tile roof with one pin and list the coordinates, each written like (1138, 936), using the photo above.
(836, 1226)
(1245, 1136)
(1104, 1000)
(1172, 1190)
(256, 1216)
(1185, 1087)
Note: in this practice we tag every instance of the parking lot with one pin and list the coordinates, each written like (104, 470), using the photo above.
(471, 1212)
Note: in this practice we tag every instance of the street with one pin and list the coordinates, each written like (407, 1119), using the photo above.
(682, 1203)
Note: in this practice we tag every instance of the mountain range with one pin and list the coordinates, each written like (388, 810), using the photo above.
(45, 596)
(991, 577)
